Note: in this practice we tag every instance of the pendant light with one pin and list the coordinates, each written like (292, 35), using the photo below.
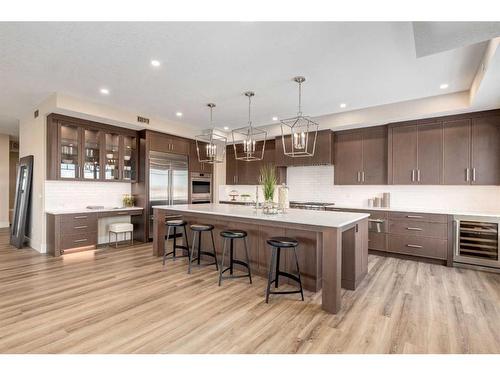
(299, 133)
(211, 147)
(254, 140)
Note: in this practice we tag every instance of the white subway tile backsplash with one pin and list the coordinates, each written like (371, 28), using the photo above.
(80, 194)
(316, 184)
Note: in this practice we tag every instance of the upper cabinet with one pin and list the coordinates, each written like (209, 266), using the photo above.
(361, 157)
(169, 143)
(83, 150)
(416, 153)
(194, 164)
(240, 172)
(472, 151)
(323, 153)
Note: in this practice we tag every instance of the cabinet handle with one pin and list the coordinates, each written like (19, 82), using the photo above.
(82, 240)
(123, 213)
(414, 246)
(418, 175)
(80, 217)
(473, 174)
(413, 175)
(81, 227)
(414, 217)
(363, 176)
(411, 228)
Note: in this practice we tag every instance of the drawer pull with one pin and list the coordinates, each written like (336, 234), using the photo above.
(123, 213)
(81, 227)
(82, 240)
(411, 228)
(414, 217)
(80, 217)
(414, 246)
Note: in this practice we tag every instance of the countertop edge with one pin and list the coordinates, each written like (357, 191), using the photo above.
(88, 210)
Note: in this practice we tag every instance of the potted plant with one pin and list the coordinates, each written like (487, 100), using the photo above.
(268, 181)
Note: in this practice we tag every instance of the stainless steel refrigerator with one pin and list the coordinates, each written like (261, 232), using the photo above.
(168, 181)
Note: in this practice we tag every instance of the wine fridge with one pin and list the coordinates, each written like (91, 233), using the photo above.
(476, 241)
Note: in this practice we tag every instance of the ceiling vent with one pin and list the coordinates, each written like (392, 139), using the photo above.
(143, 120)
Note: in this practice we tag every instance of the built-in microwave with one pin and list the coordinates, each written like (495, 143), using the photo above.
(201, 187)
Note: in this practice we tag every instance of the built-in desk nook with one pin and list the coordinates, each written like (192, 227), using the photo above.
(75, 230)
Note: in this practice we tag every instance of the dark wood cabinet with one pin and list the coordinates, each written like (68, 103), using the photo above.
(485, 151)
(323, 153)
(194, 164)
(239, 172)
(416, 153)
(79, 149)
(348, 160)
(361, 157)
(472, 151)
(456, 150)
(169, 143)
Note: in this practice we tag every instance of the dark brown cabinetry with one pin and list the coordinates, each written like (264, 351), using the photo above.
(361, 157)
(323, 154)
(472, 151)
(194, 164)
(416, 153)
(168, 143)
(84, 150)
(240, 172)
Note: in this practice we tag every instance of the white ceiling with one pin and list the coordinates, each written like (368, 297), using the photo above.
(362, 64)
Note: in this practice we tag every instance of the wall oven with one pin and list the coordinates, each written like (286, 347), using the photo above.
(201, 188)
(476, 240)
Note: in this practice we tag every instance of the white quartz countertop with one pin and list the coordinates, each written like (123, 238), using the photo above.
(443, 211)
(90, 210)
(331, 219)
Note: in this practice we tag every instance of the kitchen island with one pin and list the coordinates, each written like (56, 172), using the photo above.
(333, 246)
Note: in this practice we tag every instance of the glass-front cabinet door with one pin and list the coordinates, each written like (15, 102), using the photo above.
(112, 156)
(91, 149)
(69, 167)
(129, 158)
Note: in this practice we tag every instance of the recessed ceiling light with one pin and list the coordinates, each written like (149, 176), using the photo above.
(178, 114)
(443, 86)
(275, 118)
(226, 127)
(155, 63)
(343, 105)
(104, 91)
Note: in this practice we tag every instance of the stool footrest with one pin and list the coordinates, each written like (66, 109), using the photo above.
(288, 275)
(286, 292)
(205, 253)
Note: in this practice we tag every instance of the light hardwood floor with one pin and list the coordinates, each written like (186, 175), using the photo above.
(123, 301)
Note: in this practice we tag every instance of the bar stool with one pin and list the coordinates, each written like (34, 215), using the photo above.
(199, 228)
(232, 235)
(176, 224)
(277, 244)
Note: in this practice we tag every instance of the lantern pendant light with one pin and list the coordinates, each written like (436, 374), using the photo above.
(211, 147)
(299, 133)
(254, 140)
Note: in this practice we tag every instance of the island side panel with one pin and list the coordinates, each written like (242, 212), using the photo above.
(259, 251)
(332, 270)
(159, 217)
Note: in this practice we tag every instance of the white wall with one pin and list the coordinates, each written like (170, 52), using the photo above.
(32, 141)
(4, 180)
(316, 184)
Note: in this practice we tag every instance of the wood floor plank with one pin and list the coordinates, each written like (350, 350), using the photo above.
(124, 301)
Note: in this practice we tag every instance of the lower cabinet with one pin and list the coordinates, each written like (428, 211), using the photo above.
(421, 235)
